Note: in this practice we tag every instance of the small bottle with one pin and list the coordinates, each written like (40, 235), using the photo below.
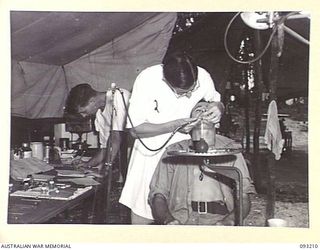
(26, 151)
(47, 151)
(51, 185)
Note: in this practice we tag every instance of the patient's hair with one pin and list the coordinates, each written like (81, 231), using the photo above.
(179, 70)
(79, 96)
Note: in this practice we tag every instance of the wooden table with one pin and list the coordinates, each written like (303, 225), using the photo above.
(25, 210)
(33, 211)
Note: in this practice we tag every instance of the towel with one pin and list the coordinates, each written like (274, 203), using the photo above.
(273, 137)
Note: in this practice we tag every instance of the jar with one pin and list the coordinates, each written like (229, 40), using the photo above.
(204, 130)
(26, 151)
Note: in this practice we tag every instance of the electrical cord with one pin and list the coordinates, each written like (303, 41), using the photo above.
(274, 30)
(131, 123)
(252, 60)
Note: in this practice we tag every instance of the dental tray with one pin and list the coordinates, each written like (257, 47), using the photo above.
(211, 152)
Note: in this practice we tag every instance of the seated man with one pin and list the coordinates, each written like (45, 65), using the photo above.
(179, 184)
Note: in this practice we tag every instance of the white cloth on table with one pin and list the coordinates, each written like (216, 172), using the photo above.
(153, 101)
(273, 136)
(103, 118)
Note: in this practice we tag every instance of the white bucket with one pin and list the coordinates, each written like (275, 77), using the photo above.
(274, 222)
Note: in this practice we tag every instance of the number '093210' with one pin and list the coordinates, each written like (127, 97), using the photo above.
(308, 245)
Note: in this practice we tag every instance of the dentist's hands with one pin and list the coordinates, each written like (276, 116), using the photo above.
(214, 112)
(187, 124)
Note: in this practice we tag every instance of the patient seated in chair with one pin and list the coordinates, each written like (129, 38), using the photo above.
(184, 191)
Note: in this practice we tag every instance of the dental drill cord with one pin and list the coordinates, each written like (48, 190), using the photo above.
(131, 123)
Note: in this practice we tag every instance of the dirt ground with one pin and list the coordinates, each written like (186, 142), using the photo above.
(291, 193)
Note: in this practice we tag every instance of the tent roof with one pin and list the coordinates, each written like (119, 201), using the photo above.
(60, 37)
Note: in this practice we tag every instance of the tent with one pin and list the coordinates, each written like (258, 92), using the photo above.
(54, 51)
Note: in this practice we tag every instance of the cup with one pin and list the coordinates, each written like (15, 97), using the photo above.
(275, 222)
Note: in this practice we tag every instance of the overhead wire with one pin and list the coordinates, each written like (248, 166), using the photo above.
(274, 30)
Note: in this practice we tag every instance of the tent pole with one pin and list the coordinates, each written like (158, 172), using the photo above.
(273, 78)
(256, 169)
(247, 117)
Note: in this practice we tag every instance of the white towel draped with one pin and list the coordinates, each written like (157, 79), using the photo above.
(273, 135)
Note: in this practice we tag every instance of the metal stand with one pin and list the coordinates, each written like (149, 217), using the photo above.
(236, 175)
(109, 158)
(101, 201)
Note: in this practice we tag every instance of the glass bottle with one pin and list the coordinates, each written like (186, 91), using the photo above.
(205, 130)
(47, 152)
(203, 136)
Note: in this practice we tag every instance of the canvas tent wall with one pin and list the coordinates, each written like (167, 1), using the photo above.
(54, 51)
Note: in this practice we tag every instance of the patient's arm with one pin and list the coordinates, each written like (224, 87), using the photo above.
(161, 212)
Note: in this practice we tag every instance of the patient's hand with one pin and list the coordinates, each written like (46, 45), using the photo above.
(227, 221)
(174, 222)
